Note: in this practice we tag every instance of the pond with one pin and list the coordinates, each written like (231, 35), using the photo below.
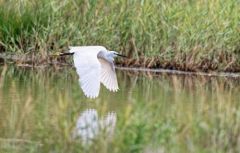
(44, 110)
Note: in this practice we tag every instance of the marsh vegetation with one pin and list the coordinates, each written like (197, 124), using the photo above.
(41, 107)
(183, 34)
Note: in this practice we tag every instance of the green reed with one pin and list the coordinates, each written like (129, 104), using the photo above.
(182, 31)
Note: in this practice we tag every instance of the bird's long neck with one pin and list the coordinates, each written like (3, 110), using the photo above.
(110, 57)
(106, 56)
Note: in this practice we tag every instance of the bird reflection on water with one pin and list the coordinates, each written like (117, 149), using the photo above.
(89, 126)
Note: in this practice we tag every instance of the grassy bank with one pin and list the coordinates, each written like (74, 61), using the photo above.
(183, 34)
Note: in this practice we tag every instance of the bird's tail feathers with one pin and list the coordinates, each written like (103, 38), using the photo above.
(71, 49)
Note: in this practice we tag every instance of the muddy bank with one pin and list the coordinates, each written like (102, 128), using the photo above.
(34, 60)
(156, 72)
(205, 65)
(226, 64)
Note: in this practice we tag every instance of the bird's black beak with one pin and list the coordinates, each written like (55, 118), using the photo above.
(121, 55)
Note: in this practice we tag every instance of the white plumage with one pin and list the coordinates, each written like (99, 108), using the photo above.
(90, 125)
(94, 65)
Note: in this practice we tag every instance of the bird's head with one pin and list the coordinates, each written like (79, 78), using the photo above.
(115, 54)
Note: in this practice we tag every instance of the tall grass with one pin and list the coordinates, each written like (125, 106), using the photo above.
(184, 32)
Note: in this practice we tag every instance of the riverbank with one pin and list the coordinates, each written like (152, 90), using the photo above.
(180, 35)
(149, 63)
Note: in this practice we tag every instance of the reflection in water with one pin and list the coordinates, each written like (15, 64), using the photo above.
(179, 113)
(89, 125)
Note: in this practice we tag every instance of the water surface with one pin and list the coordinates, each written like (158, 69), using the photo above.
(41, 109)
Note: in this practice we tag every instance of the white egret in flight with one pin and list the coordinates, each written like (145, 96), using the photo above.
(94, 65)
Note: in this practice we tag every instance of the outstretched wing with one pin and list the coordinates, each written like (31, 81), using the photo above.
(108, 75)
(88, 68)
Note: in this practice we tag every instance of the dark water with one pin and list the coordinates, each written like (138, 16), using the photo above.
(44, 110)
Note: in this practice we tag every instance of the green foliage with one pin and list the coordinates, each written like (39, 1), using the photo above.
(183, 31)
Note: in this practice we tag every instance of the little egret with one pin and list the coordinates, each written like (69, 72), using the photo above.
(94, 65)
